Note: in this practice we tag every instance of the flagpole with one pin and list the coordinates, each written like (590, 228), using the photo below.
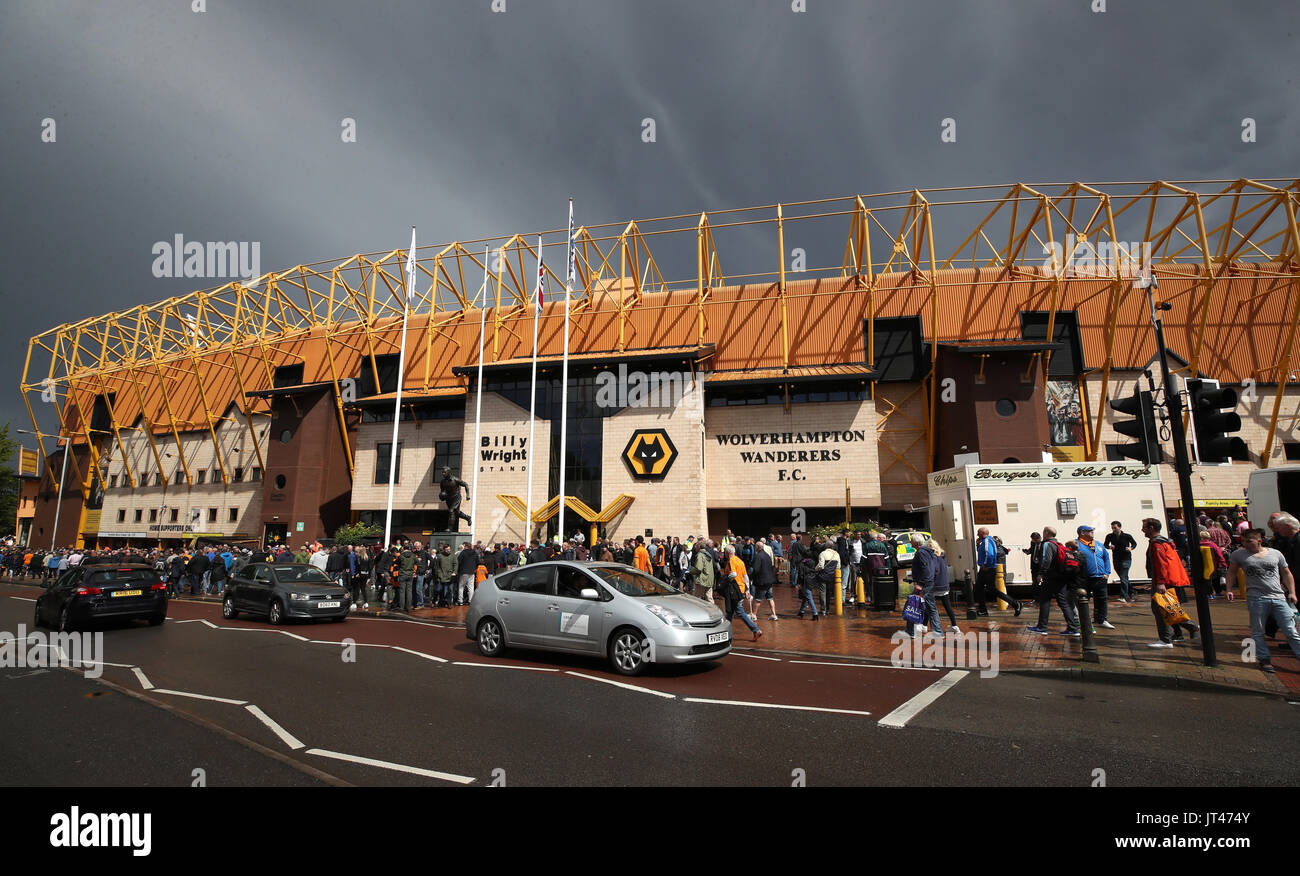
(397, 402)
(478, 392)
(564, 376)
(532, 401)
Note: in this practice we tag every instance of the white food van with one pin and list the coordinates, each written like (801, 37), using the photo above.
(1015, 500)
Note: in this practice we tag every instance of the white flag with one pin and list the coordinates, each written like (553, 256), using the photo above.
(410, 269)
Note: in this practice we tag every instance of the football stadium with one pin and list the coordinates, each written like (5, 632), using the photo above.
(750, 369)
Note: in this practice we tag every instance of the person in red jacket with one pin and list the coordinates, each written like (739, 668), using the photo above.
(1163, 565)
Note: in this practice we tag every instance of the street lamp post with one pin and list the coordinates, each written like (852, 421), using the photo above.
(58, 504)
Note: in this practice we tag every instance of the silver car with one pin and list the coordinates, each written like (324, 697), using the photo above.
(607, 609)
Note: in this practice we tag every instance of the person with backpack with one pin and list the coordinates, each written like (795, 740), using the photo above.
(986, 578)
(1214, 566)
(1058, 576)
(1167, 572)
(1094, 575)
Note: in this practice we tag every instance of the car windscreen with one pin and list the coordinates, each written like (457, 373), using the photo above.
(301, 575)
(99, 578)
(632, 582)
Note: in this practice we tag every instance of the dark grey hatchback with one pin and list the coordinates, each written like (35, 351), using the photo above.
(285, 590)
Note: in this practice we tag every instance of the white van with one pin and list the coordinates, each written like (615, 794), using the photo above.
(1272, 489)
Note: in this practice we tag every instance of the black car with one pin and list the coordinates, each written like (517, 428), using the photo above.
(285, 590)
(96, 594)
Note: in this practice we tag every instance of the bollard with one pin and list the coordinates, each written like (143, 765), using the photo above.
(1083, 609)
(862, 593)
(972, 613)
(1000, 582)
(837, 606)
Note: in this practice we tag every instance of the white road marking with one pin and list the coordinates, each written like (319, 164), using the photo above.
(181, 693)
(140, 676)
(503, 666)
(383, 764)
(22, 598)
(774, 706)
(863, 665)
(755, 657)
(292, 635)
(86, 662)
(193, 620)
(913, 707)
(285, 736)
(623, 685)
(420, 654)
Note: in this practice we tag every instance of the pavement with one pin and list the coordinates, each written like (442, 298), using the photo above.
(1124, 655)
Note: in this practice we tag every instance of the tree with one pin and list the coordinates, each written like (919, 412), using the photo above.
(352, 533)
(10, 483)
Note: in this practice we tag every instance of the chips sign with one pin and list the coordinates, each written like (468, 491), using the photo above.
(649, 454)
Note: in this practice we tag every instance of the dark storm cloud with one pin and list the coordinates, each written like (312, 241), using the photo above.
(226, 125)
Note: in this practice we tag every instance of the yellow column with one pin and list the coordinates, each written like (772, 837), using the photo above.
(1001, 584)
(837, 604)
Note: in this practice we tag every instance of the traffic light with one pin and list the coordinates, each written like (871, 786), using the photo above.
(1214, 420)
(1141, 407)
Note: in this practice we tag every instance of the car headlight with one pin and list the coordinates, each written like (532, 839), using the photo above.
(299, 597)
(668, 616)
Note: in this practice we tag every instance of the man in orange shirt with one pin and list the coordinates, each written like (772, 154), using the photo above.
(733, 586)
(641, 556)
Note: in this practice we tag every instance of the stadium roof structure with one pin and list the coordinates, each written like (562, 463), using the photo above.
(967, 260)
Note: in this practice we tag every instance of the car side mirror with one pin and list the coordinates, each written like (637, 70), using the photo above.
(589, 593)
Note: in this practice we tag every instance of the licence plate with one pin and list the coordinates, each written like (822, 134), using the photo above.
(328, 604)
(126, 592)
(715, 638)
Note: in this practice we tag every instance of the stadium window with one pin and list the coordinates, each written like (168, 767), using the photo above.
(175, 514)
(203, 475)
(288, 375)
(1291, 449)
(899, 348)
(257, 473)
(121, 515)
(1068, 361)
(383, 459)
(112, 481)
(234, 515)
(178, 478)
(216, 475)
(139, 515)
(239, 475)
(153, 515)
(212, 515)
(445, 453)
(157, 479)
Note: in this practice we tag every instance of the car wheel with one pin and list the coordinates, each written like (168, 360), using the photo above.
(228, 609)
(38, 623)
(627, 653)
(491, 639)
(65, 620)
(276, 613)
(157, 619)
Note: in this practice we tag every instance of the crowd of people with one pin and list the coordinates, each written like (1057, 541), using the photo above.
(744, 571)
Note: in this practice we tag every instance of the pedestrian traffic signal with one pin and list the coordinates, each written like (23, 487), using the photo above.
(1141, 406)
(1214, 420)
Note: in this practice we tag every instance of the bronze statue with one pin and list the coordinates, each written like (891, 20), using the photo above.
(449, 492)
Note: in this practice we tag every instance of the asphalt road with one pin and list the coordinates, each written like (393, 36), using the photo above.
(414, 704)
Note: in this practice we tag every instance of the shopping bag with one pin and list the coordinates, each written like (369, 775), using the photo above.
(914, 610)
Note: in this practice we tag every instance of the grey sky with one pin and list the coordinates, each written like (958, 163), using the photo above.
(225, 125)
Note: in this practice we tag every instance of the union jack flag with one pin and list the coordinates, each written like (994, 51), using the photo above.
(541, 276)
